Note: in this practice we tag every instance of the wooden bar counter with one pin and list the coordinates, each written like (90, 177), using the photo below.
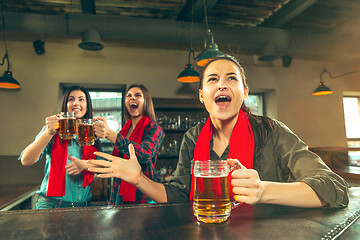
(176, 221)
(12, 196)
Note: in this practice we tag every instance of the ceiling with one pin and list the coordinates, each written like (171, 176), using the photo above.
(297, 27)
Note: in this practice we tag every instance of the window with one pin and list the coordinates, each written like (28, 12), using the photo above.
(352, 126)
(255, 103)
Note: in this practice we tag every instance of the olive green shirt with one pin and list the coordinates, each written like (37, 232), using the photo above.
(284, 158)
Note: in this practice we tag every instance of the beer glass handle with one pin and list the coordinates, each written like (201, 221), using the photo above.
(94, 121)
(234, 167)
(235, 204)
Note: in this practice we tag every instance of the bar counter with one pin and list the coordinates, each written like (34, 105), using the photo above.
(176, 221)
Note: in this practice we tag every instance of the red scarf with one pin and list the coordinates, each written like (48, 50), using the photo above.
(127, 190)
(56, 185)
(241, 147)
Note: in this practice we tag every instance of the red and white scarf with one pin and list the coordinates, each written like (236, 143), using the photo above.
(56, 184)
(127, 190)
(241, 147)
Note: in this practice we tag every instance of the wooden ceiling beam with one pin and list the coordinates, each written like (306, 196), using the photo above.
(198, 9)
(287, 13)
(88, 6)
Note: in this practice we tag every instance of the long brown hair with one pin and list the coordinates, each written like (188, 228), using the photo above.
(89, 108)
(262, 126)
(148, 107)
(65, 99)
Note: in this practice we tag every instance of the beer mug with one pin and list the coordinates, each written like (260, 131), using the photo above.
(86, 135)
(211, 197)
(67, 129)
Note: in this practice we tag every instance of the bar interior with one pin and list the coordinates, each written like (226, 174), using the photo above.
(301, 61)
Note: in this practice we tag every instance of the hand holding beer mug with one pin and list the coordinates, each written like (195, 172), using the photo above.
(211, 198)
(86, 136)
(67, 129)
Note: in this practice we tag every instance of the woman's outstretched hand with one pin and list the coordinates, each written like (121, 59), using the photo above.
(76, 166)
(247, 186)
(128, 170)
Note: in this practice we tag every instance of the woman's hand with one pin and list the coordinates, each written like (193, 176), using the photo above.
(128, 170)
(52, 124)
(76, 166)
(247, 186)
(101, 127)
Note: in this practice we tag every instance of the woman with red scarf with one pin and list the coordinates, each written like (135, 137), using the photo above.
(64, 184)
(276, 167)
(142, 131)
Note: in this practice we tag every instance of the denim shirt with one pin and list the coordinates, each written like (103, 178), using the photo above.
(74, 192)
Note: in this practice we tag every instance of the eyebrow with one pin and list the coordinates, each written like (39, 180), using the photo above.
(135, 93)
(75, 97)
(215, 74)
(231, 73)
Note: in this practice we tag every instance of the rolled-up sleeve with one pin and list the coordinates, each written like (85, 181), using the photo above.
(299, 164)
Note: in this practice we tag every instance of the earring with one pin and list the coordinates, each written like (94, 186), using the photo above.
(202, 102)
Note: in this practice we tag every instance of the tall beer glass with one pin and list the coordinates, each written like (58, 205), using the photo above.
(67, 129)
(86, 136)
(211, 198)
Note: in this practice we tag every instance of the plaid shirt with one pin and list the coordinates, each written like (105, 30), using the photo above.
(146, 153)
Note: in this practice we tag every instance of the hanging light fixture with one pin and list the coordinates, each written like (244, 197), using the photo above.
(322, 90)
(211, 50)
(7, 81)
(91, 40)
(189, 75)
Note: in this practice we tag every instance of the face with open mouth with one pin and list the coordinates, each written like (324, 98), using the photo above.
(77, 103)
(134, 102)
(223, 90)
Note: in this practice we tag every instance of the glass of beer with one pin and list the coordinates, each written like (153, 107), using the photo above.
(86, 136)
(211, 198)
(67, 129)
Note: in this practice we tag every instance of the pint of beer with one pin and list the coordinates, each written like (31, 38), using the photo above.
(211, 198)
(67, 129)
(86, 134)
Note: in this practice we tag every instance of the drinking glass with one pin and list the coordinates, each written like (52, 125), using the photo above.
(86, 135)
(67, 129)
(211, 197)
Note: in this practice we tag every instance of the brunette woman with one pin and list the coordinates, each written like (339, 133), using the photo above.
(59, 188)
(143, 132)
(275, 165)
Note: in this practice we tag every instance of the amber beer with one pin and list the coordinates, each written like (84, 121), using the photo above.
(86, 135)
(211, 197)
(67, 128)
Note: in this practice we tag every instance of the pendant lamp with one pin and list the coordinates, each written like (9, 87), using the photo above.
(7, 81)
(322, 90)
(189, 75)
(211, 50)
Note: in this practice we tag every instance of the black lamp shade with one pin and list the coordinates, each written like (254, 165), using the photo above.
(211, 51)
(189, 75)
(7, 81)
(322, 90)
(91, 40)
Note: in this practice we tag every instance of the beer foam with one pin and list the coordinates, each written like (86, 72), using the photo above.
(212, 175)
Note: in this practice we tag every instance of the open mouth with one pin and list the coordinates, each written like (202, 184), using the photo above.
(133, 106)
(222, 98)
